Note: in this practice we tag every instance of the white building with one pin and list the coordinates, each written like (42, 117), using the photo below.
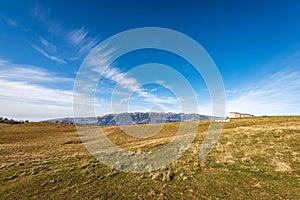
(239, 115)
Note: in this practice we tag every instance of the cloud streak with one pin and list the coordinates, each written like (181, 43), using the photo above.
(28, 73)
(80, 38)
(24, 95)
(76, 37)
(25, 92)
(77, 41)
(38, 12)
(21, 100)
(10, 22)
(47, 45)
(132, 85)
(276, 94)
(47, 55)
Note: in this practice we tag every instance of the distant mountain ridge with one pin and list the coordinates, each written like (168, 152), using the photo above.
(132, 118)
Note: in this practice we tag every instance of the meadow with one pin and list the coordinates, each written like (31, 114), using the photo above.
(255, 158)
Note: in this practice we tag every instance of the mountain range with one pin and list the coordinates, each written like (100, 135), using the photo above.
(131, 118)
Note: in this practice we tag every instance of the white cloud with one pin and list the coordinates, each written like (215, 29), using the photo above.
(28, 73)
(77, 36)
(47, 45)
(23, 97)
(80, 38)
(76, 42)
(132, 85)
(151, 98)
(21, 100)
(25, 92)
(47, 49)
(47, 55)
(277, 94)
(32, 111)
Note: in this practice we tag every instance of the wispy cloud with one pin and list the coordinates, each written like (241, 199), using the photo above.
(151, 98)
(47, 45)
(24, 94)
(132, 85)
(276, 94)
(125, 86)
(80, 38)
(28, 73)
(38, 12)
(10, 22)
(78, 42)
(41, 14)
(31, 92)
(23, 100)
(47, 55)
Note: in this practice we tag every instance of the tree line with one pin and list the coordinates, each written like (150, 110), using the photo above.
(12, 121)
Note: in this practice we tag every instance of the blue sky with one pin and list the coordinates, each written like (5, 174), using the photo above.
(255, 45)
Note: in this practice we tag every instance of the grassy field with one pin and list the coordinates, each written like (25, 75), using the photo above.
(255, 158)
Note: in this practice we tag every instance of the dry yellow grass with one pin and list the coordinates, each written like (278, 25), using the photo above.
(255, 158)
(38, 141)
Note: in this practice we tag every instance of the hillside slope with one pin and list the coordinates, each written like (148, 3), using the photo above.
(255, 158)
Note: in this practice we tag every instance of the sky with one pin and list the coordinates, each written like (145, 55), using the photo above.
(254, 44)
